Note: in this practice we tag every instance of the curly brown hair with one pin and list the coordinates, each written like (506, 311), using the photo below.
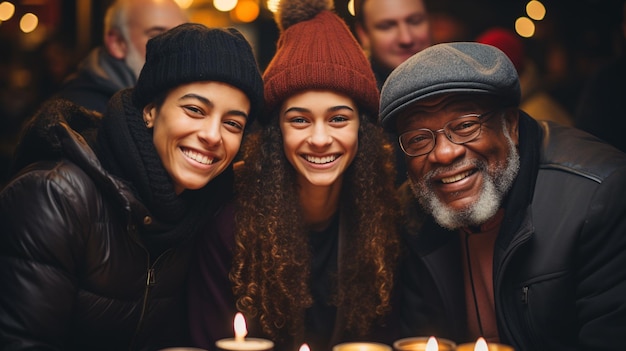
(272, 251)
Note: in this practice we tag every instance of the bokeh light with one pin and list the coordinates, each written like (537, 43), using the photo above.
(29, 22)
(535, 10)
(351, 7)
(272, 5)
(246, 11)
(525, 27)
(7, 10)
(224, 5)
(184, 4)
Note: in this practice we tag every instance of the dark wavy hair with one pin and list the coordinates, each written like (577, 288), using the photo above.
(270, 272)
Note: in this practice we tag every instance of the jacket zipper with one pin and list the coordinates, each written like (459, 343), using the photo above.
(526, 311)
(150, 281)
(525, 295)
(523, 237)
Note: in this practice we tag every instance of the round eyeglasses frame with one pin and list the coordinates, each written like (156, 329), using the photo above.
(460, 130)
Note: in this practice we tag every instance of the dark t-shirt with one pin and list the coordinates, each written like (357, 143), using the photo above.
(320, 318)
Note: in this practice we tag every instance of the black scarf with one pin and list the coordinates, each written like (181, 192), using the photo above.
(126, 150)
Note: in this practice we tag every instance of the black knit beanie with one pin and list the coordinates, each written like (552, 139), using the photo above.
(192, 52)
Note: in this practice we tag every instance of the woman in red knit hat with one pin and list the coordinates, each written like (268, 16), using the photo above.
(316, 214)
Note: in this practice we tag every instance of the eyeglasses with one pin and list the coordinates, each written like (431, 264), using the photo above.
(460, 130)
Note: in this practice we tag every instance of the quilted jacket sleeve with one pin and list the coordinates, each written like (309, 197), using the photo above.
(42, 222)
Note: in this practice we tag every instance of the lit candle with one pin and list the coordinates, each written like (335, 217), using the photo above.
(240, 343)
(304, 347)
(482, 345)
(361, 346)
(424, 344)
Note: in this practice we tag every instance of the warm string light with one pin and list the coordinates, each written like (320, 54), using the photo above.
(524, 26)
(7, 10)
(535, 10)
(246, 11)
(272, 5)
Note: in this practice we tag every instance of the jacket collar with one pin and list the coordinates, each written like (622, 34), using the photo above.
(519, 198)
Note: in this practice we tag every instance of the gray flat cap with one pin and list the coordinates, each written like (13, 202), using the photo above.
(461, 67)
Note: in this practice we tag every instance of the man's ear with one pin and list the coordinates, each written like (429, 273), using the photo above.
(362, 36)
(115, 44)
(513, 125)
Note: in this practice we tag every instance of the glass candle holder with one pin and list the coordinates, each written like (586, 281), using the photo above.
(361, 346)
(248, 344)
(490, 347)
(419, 343)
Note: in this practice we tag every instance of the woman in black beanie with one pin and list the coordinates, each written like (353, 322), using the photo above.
(96, 228)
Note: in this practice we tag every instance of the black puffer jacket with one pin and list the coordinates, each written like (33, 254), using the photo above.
(75, 274)
(559, 261)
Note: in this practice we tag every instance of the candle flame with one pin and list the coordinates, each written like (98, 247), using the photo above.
(240, 327)
(432, 344)
(305, 347)
(481, 345)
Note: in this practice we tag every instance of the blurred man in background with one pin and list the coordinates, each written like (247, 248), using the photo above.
(391, 31)
(128, 25)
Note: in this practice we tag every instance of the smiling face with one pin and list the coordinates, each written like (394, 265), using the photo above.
(320, 135)
(462, 185)
(394, 30)
(198, 131)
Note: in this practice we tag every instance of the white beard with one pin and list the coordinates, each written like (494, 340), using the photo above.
(133, 60)
(496, 184)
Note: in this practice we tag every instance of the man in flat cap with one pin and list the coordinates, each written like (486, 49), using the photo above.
(516, 228)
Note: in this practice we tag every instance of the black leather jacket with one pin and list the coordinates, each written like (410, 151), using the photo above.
(559, 276)
(75, 274)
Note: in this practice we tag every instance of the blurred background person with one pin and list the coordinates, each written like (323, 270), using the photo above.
(391, 31)
(535, 101)
(115, 65)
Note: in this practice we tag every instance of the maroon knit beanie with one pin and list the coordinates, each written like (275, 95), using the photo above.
(507, 41)
(316, 50)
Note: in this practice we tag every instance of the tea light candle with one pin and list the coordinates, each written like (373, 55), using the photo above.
(482, 345)
(361, 346)
(423, 343)
(240, 343)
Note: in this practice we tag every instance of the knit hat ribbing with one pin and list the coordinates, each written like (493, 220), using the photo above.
(316, 50)
(192, 52)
